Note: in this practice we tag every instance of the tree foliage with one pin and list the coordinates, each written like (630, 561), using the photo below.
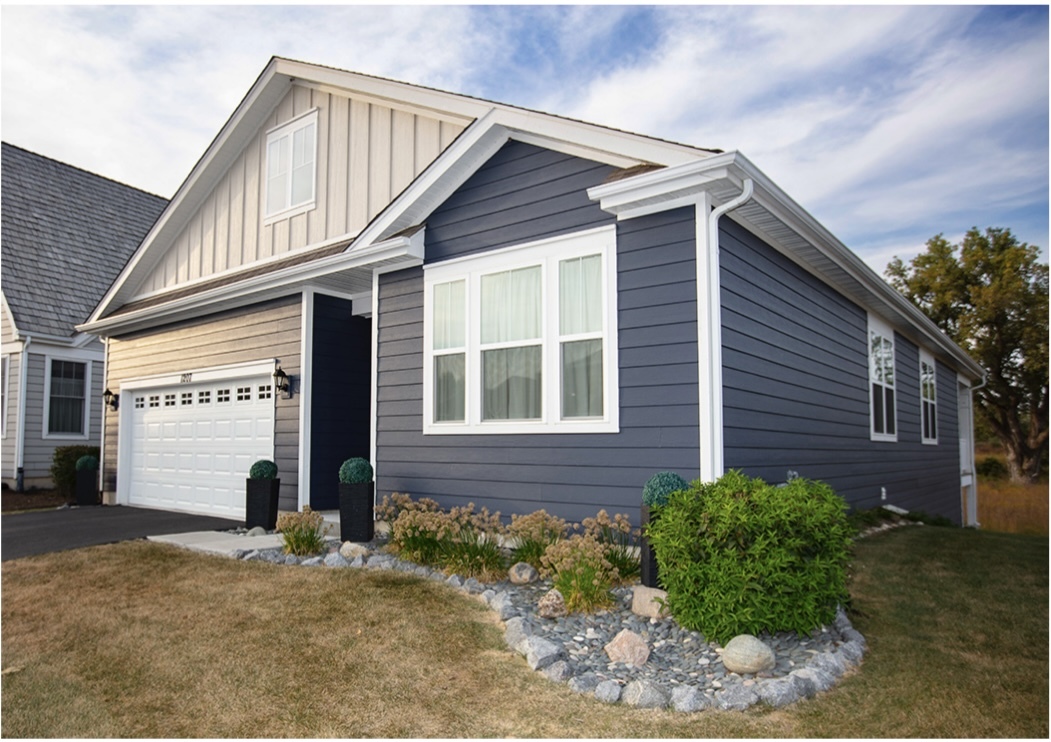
(990, 295)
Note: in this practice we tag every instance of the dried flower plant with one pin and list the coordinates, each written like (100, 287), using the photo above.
(301, 532)
(620, 539)
(533, 533)
(581, 571)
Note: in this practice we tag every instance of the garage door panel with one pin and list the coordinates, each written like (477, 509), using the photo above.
(192, 447)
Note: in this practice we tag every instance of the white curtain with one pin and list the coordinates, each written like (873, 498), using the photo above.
(512, 383)
(450, 316)
(449, 396)
(580, 295)
(511, 307)
(582, 379)
(512, 312)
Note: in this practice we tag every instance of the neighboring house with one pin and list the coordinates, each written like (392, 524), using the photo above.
(509, 308)
(65, 236)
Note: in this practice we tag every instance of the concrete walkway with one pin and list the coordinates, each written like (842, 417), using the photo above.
(214, 542)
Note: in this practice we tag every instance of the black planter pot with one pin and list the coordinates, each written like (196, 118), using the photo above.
(648, 572)
(261, 503)
(355, 512)
(87, 487)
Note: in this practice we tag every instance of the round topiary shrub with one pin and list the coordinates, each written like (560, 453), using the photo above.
(89, 463)
(740, 556)
(355, 471)
(263, 469)
(659, 486)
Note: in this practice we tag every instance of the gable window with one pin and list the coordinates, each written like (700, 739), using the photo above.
(291, 157)
(66, 399)
(928, 398)
(882, 381)
(523, 339)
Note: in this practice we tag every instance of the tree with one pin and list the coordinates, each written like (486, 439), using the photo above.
(992, 300)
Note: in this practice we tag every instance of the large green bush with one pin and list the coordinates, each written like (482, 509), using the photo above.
(64, 466)
(742, 556)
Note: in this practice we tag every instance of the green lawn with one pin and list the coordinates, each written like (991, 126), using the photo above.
(144, 640)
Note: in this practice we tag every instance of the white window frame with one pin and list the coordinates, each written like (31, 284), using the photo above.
(878, 326)
(287, 130)
(928, 360)
(5, 369)
(547, 253)
(46, 422)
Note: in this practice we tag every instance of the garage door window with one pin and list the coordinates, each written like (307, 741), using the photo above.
(67, 398)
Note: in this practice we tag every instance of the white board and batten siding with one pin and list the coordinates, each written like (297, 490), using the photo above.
(199, 408)
(367, 153)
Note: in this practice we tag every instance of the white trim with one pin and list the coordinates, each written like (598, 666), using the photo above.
(20, 425)
(879, 326)
(210, 373)
(709, 344)
(547, 253)
(306, 355)
(45, 423)
(374, 373)
(928, 359)
(5, 363)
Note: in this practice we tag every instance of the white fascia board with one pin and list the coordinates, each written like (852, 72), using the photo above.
(408, 251)
(261, 99)
(671, 187)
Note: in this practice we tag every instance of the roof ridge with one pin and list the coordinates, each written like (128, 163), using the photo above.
(85, 171)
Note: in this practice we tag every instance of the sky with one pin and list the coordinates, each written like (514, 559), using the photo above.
(889, 124)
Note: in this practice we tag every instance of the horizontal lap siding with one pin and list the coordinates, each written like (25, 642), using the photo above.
(572, 475)
(256, 333)
(796, 388)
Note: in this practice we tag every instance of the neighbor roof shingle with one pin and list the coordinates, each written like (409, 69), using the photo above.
(65, 235)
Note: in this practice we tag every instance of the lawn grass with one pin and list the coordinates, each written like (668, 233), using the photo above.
(145, 640)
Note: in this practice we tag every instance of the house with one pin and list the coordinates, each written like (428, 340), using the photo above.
(510, 308)
(66, 234)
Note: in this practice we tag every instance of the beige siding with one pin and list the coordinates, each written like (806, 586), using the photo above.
(257, 333)
(7, 449)
(366, 153)
(7, 330)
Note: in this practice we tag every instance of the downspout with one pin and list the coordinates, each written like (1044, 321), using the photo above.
(709, 335)
(102, 438)
(973, 462)
(20, 429)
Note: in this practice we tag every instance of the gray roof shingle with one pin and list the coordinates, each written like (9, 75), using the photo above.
(65, 235)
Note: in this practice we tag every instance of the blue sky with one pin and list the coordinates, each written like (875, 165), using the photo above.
(890, 124)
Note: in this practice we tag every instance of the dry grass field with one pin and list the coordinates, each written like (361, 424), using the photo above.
(144, 640)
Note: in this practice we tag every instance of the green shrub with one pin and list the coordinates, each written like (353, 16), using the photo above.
(355, 471)
(991, 467)
(263, 469)
(87, 463)
(64, 467)
(620, 541)
(656, 491)
(533, 533)
(301, 532)
(580, 570)
(741, 556)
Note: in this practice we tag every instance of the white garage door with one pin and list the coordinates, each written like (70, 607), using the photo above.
(193, 444)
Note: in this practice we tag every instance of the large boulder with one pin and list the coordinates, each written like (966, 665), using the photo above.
(629, 648)
(645, 694)
(745, 654)
(647, 601)
(541, 653)
(522, 573)
(552, 605)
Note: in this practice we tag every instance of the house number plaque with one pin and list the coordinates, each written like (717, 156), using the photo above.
(186, 379)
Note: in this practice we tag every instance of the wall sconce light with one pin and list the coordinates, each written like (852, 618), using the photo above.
(112, 400)
(282, 383)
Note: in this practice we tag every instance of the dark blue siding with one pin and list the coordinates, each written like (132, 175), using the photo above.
(572, 475)
(340, 410)
(795, 377)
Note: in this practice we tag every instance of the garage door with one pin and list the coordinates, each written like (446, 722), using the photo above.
(193, 444)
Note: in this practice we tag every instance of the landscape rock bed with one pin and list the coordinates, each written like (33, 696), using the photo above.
(683, 671)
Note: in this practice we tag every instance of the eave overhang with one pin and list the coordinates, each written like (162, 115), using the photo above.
(773, 216)
(347, 272)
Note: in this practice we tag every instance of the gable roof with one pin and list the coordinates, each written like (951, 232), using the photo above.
(66, 235)
(619, 148)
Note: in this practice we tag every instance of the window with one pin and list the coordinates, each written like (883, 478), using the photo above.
(523, 339)
(5, 373)
(881, 378)
(67, 409)
(928, 398)
(291, 154)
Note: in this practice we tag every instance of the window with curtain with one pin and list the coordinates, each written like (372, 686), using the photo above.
(290, 165)
(928, 398)
(66, 408)
(881, 377)
(518, 341)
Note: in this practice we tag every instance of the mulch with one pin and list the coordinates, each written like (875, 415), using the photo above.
(12, 502)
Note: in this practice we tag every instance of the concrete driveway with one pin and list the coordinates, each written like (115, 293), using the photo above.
(41, 532)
